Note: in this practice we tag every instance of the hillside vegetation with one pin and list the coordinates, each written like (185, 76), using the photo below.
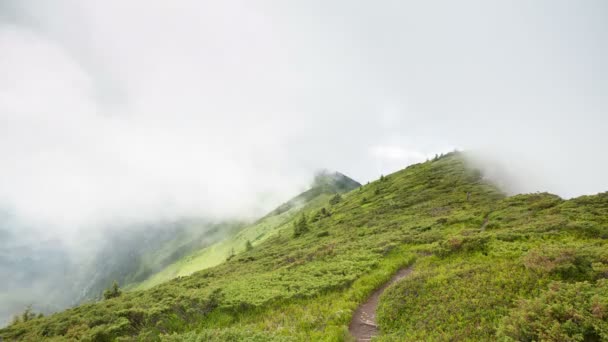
(53, 275)
(324, 186)
(486, 267)
(131, 255)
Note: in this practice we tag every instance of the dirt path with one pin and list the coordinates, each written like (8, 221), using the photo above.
(363, 325)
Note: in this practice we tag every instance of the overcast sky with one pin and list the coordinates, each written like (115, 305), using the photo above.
(143, 109)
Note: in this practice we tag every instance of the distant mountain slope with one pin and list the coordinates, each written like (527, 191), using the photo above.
(48, 275)
(325, 182)
(485, 267)
(24, 263)
(325, 185)
(132, 254)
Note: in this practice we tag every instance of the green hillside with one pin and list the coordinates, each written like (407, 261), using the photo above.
(324, 186)
(136, 253)
(485, 267)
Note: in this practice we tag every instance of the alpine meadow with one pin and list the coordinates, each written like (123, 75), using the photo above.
(485, 267)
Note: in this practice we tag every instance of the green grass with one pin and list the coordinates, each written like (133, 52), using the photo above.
(479, 264)
(217, 253)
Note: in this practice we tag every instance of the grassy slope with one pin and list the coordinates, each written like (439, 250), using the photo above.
(217, 253)
(325, 185)
(146, 252)
(480, 284)
(476, 263)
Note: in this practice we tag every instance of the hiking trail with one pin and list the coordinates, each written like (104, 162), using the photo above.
(363, 325)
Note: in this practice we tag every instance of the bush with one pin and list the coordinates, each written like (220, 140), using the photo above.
(323, 233)
(566, 262)
(565, 312)
(463, 244)
(322, 213)
(337, 198)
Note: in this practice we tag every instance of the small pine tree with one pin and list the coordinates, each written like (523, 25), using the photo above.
(248, 246)
(300, 226)
(27, 314)
(382, 178)
(112, 292)
(337, 198)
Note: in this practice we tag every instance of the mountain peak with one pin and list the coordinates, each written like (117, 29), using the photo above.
(332, 180)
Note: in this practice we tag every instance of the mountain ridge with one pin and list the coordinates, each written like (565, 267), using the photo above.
(325, 184)
(481, 261)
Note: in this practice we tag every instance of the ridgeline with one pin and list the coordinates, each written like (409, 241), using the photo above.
(484, 267)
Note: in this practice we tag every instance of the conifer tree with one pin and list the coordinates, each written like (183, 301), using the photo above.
(300, 226)
(112, 292)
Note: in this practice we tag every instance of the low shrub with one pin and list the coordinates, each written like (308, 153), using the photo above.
(565, 312)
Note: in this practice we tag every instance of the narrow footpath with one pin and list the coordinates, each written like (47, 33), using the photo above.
(363, 325)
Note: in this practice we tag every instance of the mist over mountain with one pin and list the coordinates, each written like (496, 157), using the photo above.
(223, 109)
(50, 275)
(134, 135)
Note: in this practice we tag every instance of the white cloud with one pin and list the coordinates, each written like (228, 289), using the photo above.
(396, 153)
(135, 110)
